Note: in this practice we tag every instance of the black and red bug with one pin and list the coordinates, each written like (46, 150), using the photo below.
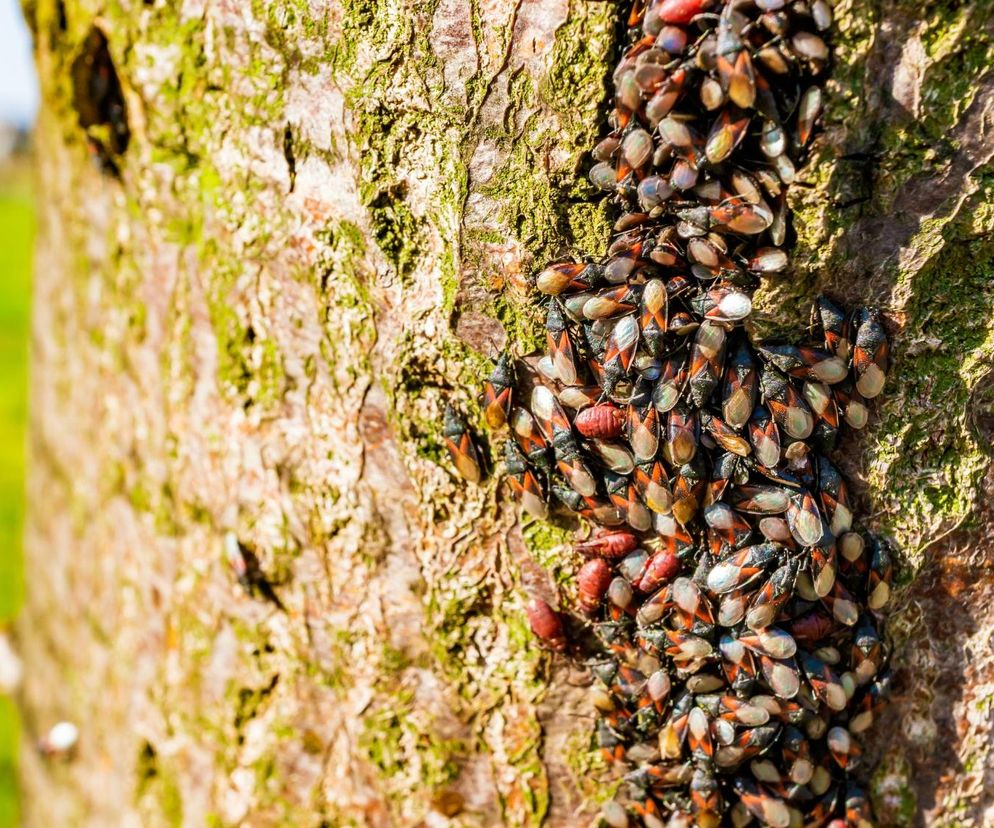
(764, 437)
(685, 647)
(822, 402)
(867, 651)
(740, 389)
(739, 216)
(822, 810)
(615, 633)
(871, 353)
(655, 606)
(652, 484)
(682, 436)
(528, 436)
(739, 665)
(560, 342)
(770, 598)
(462, 449)
(579, 397)
(843, 748)
(669, 386)
(689, 597)
(870, 704)
(705, 797)
(724, 435)
(823, 564)
(788, 409)
(610, 742)
(834, 496)
(569, 462)
(611, 302)
(498, 392)
(733, 62)
(727, 131)
(772, 642)
(742, 567)
(524, 482)
(833, 324)
(699, 735)
(624, 258)
(727, 470)
(796, 752)
(591, 508)
(548, 413)
(647, 810)
(804, 518)
(733, 709)
(689, 485)
(654, 322)
(621, 345)
(858, 810)
(733, 530)
(568, 276)
(843, 605)
(642, 428)
(759, 802)
(622, 493)
(806, 363)
(672, 537)
(823, 681)
(851, 404)
(759, 499)
(881, 575)
(706, 362)
(724, 303)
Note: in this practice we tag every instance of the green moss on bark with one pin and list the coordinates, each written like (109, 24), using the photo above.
(924, 465)
(157, 793)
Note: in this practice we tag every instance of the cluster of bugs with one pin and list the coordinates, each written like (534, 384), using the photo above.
(734, 604)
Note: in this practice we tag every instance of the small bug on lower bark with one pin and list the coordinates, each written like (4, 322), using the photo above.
(547, 624)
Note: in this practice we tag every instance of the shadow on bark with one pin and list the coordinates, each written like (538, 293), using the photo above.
(935, 661)
(934, 668)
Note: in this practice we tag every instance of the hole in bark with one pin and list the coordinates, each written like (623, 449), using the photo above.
(99, 102)
(60, 17)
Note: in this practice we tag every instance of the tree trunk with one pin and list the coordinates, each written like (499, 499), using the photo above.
(250, 312)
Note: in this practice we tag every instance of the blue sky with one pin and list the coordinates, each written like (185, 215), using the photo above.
(18, 86)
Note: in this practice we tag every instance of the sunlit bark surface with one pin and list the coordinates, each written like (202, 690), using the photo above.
(249, 316)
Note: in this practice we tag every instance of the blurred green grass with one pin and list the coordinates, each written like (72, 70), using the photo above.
(17, 226)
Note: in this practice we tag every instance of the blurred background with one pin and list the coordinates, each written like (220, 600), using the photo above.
(18, 105)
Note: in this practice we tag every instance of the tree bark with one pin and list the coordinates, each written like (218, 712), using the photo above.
(250, 317)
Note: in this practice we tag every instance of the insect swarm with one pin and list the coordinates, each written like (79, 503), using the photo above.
(734, 598)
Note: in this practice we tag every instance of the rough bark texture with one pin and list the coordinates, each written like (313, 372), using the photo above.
(314, 239)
